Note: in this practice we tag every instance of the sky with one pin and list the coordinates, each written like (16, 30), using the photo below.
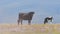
(9, 10)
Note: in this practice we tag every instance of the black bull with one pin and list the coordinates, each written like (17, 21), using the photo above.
(25, 16)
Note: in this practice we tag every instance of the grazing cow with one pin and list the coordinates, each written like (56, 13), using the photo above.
(47, 19)
(25, 16)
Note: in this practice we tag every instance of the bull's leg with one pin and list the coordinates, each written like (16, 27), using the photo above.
(29, 22)
(21, 22)
(18, 22)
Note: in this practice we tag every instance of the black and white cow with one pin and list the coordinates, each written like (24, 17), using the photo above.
(47, 19)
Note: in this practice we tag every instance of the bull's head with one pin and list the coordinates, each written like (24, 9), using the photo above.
(31, 12)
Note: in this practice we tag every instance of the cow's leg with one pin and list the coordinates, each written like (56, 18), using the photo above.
(51, 20)
(29, 22)
(45, 22)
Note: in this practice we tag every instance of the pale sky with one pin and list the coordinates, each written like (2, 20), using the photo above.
(9, 10)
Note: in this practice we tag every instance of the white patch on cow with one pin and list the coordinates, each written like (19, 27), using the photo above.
(50, 16)
(49, 22)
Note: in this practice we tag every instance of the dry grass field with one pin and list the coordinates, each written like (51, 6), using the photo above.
(30, 29)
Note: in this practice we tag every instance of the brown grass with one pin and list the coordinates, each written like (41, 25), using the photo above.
(30, 29)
